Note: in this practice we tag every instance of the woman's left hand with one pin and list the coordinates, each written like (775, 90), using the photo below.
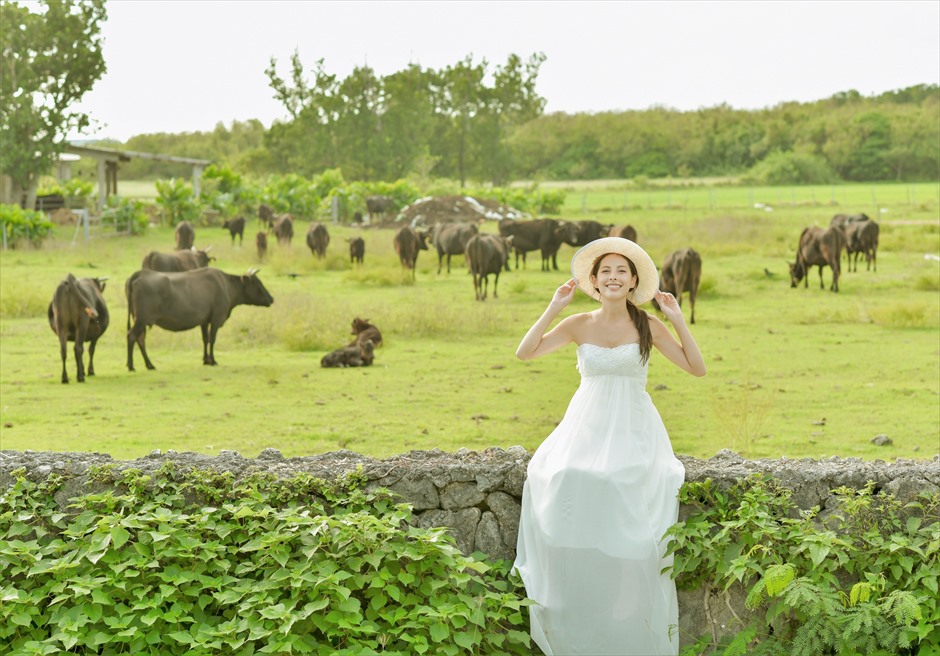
(669, 305)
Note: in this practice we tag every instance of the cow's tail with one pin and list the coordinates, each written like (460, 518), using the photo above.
(129, 296)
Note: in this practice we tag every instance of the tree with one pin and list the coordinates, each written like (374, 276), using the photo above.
(50, 59)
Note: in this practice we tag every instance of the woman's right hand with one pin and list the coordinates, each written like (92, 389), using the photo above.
(564, 294)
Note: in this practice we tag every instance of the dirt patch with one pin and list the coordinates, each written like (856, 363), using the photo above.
(447, 209)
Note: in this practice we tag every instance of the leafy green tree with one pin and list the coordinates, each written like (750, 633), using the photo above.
(48, 60)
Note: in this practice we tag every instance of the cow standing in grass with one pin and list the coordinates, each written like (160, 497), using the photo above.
(818, 247)
(236, 227)
(182, 301)
(538, 234)
(176, 261)
(408, 242)
(318, 238)
(451, 239)
(284, 229)
(185, 236)
(682, 272)
(79, 314)
(357, 250)
(486, 254)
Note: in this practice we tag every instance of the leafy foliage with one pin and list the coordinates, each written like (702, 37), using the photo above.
(24, 225)
(263, 566)
(797, 567)
(178, 201)
(125, 215)
(790, 168)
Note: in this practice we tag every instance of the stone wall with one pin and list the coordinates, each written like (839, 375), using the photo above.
(477, 493)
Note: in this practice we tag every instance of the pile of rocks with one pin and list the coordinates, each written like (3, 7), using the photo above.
(447, 209)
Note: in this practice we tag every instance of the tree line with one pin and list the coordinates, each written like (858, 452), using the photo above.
(846, 137)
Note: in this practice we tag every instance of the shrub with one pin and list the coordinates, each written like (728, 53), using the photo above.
(862, 580)
(125, 215)
(780, 168)
(178, 201)
(21, 225)
(263, 566)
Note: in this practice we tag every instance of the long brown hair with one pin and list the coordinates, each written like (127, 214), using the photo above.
(639, 317)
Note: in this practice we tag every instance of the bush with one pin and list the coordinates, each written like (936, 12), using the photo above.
(282, 566)
(21, 225)
(125, 215)
(77, 192)
(178, 201)
(781, 168)
(862, 580)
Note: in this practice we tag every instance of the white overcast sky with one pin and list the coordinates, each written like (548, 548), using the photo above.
(185, 65)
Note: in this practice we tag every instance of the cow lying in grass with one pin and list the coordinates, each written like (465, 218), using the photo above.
(363, 330)
(359, 354)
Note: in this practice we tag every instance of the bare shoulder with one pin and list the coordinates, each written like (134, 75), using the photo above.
(575, 323)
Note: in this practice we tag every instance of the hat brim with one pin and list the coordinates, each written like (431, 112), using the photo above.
(583, 261)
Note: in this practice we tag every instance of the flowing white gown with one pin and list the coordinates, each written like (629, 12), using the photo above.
(600, 493)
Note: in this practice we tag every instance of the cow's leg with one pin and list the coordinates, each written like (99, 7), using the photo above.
(64, 349)
(213, 331)
(448, 263)
(495, 282)
(205, 344)
(139, 333)
(91, 357)
(821, 285)
(79, 363)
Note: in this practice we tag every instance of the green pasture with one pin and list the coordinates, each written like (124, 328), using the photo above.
(792, 372)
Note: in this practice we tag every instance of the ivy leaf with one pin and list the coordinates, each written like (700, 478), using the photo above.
(119, 536)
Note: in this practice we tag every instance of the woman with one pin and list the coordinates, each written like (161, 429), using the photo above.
(601, 490)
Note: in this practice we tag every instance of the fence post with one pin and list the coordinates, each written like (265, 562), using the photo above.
(584, 202)
(711, 198)
(874, 201)
(4, 236)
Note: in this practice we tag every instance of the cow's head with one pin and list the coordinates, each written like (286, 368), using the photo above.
(83, 295)
(358, 325)
(796, 273)
(255, 292)
(567, 231)
(99, 283)
(423, 237)
(202, 257)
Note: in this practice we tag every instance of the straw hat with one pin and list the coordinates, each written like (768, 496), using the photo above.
(583, 261)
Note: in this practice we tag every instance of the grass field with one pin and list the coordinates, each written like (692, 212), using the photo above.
(792, 372)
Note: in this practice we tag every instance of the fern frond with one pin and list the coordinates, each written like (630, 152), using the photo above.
(902, 606)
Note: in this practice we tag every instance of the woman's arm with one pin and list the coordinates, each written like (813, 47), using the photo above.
(684, 353)
(537, 341)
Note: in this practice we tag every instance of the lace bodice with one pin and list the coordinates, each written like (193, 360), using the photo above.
(622, 360)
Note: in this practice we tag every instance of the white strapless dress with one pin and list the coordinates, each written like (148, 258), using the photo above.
(601, 491)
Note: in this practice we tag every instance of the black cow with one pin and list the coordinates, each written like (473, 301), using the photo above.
(539, 234)
(235, 227)
(623, 231)
(318, 238)
(408, 242)
(177, 261)
(682, 272)
(861, 238)
(580, 233)
(79, 314)
(284, 229)
(486, 254)
(182, 301)
(266, 215)
(261, 242)
(451, 239)
(357, 250)
(359, 354)
(818, 247)
(378, 205)
(185, 236)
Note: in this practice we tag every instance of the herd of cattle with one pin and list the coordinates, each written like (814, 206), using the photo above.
(179, 291)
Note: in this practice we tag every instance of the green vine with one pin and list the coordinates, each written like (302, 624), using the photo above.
(192, 561)
(861, 578)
